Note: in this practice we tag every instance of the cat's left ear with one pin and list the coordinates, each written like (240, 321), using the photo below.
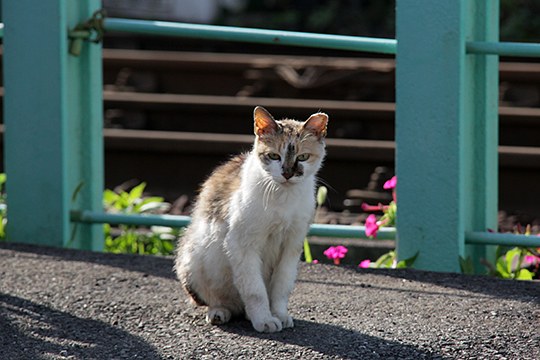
(316, 124)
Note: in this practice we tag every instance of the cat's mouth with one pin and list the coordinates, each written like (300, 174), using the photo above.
(284, 181)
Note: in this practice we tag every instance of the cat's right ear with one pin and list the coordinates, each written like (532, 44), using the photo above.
(264, 122)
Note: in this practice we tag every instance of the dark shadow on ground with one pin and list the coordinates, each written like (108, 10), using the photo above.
(163, 267)
(343, 343)
(153, 265)
(33, 331)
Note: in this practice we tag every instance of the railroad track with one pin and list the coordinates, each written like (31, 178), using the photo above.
(218, 92)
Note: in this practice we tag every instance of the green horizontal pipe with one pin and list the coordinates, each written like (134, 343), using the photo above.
(487, 238)
(341, 42)
(229, 33)
(504, 48)
(323, 230)
(349, 231)
(339, 231)
(142, 220)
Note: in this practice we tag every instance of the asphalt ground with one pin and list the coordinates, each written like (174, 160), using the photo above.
(66, 304)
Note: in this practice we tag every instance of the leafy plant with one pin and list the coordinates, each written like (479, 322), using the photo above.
(389, 211)
(466, 265)
(389, 261)
(514, 263)
(130, 238)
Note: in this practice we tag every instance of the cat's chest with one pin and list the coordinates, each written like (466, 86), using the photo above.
(279, 221)
(285, 207)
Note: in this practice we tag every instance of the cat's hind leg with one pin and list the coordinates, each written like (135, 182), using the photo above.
(217, 315)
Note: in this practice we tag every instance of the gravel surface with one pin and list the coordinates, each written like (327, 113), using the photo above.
(63, 304)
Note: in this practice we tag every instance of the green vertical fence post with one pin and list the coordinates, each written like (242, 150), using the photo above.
(481, 129)
(53, 123)
(446, 129)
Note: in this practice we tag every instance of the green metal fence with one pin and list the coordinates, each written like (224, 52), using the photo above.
(446, 122)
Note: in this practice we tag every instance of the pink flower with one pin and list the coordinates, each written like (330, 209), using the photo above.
(390, 184)
(336, 253)
(315, 261)
(371, 226)
(530, 260)
(364, 264)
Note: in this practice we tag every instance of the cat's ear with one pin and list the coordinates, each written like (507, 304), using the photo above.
(316, 124)
(264, 122)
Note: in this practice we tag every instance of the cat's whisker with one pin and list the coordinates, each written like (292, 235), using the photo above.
(262, 181)
(267, 190)
(330, 187)
(325, 183)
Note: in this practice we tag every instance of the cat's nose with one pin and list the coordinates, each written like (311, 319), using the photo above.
(287, 174)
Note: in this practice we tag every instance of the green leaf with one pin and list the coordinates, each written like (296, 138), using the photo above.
(2, 181)
(307, 251)
(466, 265)
(510, 258)
(168, 247)
(390, 214)
(501, 268)
(385, 260)
(109, 197)
(524, 274)
(2, 227)
(136, 193)
(407, 263)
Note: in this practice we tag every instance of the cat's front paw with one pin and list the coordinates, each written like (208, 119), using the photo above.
(282, 314)
(286, 320)
(268, 325)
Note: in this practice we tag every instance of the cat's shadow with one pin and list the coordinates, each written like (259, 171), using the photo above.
(331, 340)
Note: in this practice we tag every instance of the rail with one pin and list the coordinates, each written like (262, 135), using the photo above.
(178, 221)
(261, 36)
(294, 38)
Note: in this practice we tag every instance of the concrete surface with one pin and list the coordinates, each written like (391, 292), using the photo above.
(63, 304)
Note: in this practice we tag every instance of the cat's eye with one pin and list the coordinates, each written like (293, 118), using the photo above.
(274, 156)
(302, 157)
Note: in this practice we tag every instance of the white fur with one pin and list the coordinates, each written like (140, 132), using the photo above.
(268, 232)
(248, 263)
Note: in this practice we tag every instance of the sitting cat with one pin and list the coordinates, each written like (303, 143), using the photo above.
(240, 254)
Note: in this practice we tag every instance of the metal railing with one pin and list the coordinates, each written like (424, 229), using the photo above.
(446, 126)
(351, 43)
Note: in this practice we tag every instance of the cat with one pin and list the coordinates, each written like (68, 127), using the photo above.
(240, 254)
